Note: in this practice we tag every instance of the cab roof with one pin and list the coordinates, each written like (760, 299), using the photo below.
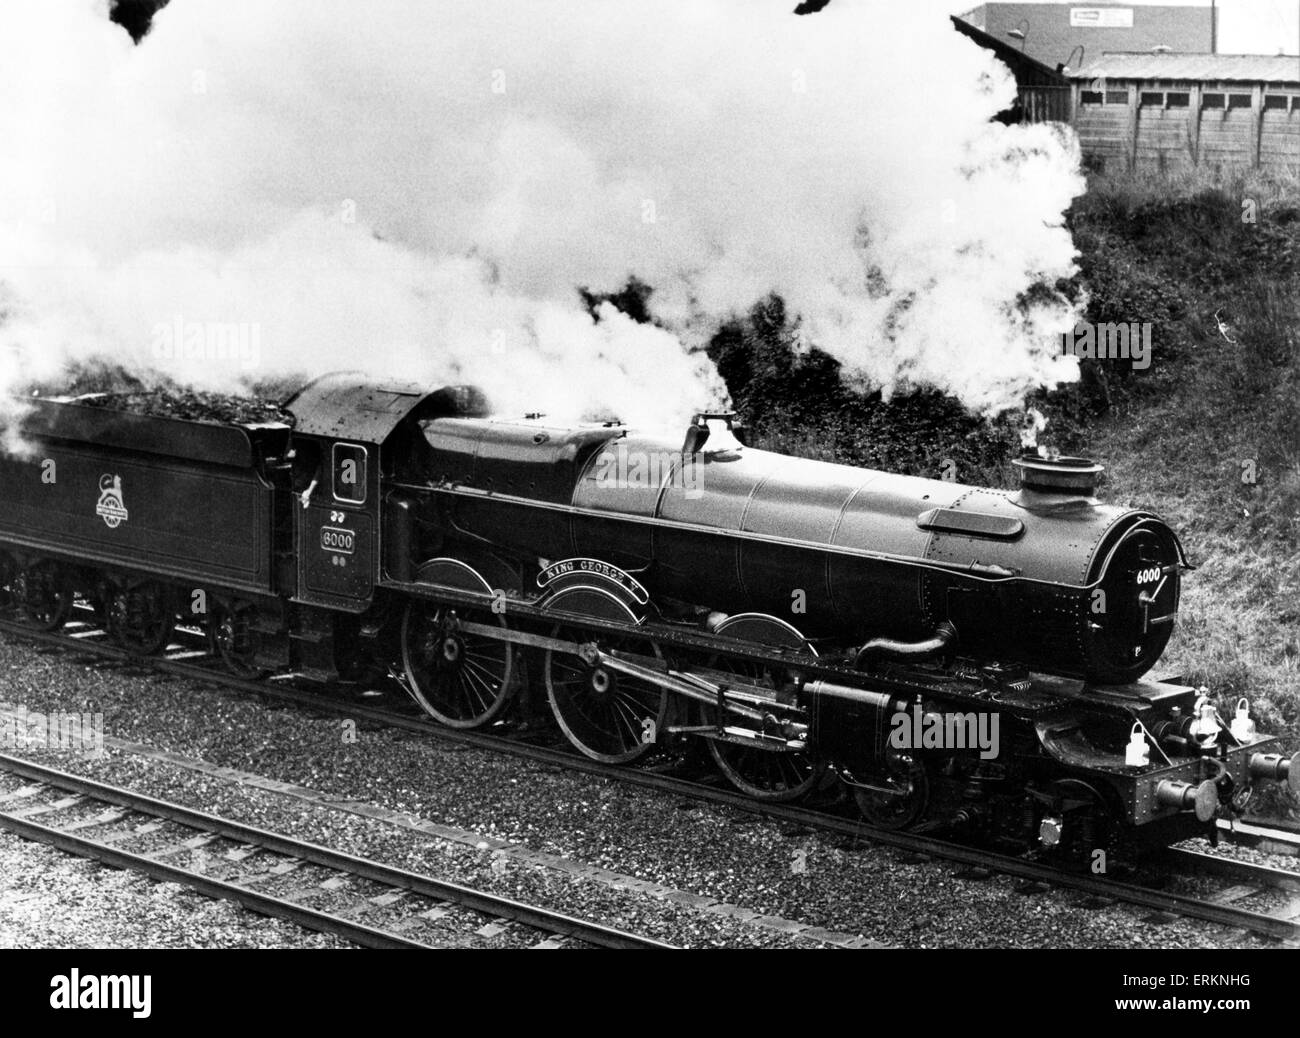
(348, 406)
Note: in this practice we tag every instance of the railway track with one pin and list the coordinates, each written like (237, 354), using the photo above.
(186, 658)
(1242, 882)
(231, 860)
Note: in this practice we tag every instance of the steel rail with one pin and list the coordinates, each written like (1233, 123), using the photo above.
(1022, 868)
(263, 904)
(1266, 877)
(480, 901)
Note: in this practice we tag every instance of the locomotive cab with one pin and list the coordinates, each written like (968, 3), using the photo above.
(347, 433)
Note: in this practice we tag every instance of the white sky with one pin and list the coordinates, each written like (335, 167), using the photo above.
(1245, 26)
(1259, 26)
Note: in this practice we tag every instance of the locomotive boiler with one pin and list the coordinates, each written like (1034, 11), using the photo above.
(1045, 576)
(966, 656)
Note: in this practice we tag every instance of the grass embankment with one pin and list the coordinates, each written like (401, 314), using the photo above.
(1208, 435)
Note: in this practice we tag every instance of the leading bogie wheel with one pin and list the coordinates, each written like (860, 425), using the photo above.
(766, 773)
(899, 810)
(608, 715)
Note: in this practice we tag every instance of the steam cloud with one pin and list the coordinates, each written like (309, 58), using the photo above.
(417, 189)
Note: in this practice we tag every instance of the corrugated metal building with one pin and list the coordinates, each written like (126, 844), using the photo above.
(1052, 32)
(1172, 111)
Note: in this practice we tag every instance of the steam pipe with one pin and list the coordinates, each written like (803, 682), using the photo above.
(939, 645)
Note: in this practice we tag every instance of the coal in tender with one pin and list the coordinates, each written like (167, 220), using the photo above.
(102, 383)
(191, 405)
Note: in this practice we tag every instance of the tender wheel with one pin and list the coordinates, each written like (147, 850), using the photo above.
(609, 716)
(897, 810)
(463, 680)
(8, 579)
(140, 618)
(765, 774)
(43, 593)
(230, 629)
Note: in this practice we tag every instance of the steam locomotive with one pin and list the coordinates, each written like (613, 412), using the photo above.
(945, 653)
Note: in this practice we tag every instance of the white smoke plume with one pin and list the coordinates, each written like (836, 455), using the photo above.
(418, 188)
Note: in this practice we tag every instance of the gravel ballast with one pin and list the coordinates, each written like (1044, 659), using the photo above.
(49, 899)
(714, 853)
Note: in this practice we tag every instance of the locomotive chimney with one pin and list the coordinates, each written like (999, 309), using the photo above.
(1050, 483)
(1074, 476)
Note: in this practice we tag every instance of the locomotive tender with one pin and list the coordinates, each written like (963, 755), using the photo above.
(808, 623)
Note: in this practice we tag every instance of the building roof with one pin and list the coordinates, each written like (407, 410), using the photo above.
(1051, 33)
(1028, 71)
(1252, 68)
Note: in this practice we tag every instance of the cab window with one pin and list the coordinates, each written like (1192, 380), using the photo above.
(349, 473)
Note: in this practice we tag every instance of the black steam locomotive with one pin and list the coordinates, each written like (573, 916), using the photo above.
(968, 655)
